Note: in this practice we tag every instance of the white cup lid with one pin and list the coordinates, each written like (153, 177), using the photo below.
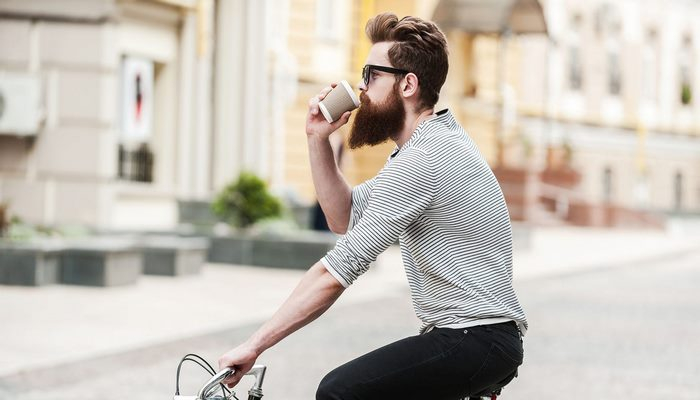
(351, 92)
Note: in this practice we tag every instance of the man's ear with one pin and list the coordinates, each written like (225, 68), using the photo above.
(409, 87)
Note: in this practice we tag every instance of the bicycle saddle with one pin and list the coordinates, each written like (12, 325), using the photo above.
(492, 392)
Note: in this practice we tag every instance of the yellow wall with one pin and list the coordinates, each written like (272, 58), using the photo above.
(302, 23)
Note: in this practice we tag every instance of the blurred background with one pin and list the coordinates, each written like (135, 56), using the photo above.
(117, 112)
(128, 129)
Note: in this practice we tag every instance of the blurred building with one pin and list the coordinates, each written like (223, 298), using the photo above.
(586, 110)
(106, 116)
(606, 110)
(113, 113)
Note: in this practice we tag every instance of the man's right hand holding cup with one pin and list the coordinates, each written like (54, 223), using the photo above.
(333, 103)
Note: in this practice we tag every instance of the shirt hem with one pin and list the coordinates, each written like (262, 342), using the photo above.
(471, 324)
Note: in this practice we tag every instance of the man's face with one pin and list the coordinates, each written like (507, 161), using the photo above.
(382, 112)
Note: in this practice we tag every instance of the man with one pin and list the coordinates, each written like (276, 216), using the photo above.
(437, 195)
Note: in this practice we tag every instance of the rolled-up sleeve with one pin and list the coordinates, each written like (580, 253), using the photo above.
(396, 197)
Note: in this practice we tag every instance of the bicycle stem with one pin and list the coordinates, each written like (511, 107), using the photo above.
(258, 371)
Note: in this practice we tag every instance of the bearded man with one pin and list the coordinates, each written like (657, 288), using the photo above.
(437, 195)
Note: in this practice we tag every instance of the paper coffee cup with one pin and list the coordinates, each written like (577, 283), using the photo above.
(341, 99)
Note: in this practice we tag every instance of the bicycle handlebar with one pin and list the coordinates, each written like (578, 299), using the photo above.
(206, 392)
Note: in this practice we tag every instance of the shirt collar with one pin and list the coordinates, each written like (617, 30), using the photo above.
(443, 117)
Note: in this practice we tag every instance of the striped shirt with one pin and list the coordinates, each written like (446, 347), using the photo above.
(438, 196)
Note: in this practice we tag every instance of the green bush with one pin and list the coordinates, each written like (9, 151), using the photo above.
(246, 201)
(686, 94)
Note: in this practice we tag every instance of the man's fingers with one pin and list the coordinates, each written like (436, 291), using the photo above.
(313, 102)
(342, 120)
(325, 91)
(313, 105)
(232, 380)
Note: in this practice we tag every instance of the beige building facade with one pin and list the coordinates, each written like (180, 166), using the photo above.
(136, 105)
(616, 84)
(87, 161)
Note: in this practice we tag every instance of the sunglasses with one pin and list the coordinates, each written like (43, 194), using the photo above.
(367, 71)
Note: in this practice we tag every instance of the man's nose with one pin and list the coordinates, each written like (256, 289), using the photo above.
(361, 86)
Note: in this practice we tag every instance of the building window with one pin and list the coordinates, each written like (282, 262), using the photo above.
(609, 27)
(136, 164)
(575, 70)
(614, 73)
(678, 191)
(469, 66)
(607, 185)
(650, 67)
(135, 156)
(685, 72)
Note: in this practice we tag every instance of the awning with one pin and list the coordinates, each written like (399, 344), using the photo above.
(491, 16)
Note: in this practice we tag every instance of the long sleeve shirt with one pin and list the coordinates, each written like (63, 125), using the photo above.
(438, 196)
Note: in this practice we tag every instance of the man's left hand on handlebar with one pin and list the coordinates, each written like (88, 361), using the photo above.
(241, 359)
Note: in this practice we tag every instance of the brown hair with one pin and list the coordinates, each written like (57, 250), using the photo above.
(420, 48)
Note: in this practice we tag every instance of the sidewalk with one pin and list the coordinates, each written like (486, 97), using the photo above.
(47, 326)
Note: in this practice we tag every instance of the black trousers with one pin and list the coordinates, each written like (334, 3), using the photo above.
(442, 364)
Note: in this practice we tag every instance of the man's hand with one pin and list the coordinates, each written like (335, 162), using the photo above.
(316, 124)
(241, 359)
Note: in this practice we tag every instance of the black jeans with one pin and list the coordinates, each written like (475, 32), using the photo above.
(442, 364)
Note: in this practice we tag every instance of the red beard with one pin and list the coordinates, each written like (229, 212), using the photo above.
(376, 123)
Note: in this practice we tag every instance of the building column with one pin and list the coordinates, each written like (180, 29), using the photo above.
(256, 90)
(202, 108)
(186, 123)
(242, 81)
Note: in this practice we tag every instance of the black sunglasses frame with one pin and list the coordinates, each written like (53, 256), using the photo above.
(367, 71)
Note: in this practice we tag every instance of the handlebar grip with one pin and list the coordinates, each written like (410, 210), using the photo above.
(255, 392)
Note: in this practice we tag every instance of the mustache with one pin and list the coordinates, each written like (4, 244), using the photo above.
(364, 99)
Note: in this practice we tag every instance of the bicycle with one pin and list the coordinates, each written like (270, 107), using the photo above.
(210, 388)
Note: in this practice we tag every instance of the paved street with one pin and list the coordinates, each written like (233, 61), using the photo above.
(627, 332)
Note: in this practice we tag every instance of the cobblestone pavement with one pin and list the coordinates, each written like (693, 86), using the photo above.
(628, 332)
